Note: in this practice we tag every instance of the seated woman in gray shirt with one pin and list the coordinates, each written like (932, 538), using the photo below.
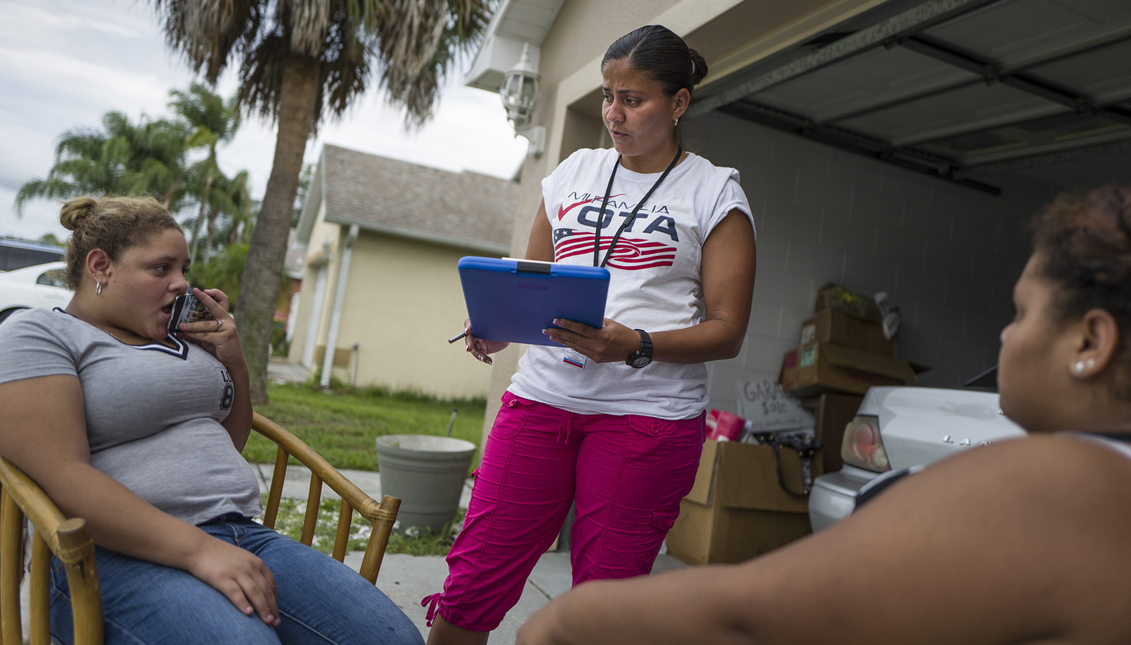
(140, 433)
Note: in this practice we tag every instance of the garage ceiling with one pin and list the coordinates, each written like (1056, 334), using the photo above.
(954, 88)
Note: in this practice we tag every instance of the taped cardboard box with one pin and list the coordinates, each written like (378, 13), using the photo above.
(737, 509)
(835, 296)
(839, 327)
(824, 367)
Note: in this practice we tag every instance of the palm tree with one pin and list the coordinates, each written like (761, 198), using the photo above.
(213, 121)
(301, 60)
(229, 197)
(122, 159)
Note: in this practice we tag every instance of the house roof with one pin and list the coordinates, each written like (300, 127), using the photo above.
(403, 199)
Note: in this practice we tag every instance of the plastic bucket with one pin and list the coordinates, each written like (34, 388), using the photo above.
(427, 473)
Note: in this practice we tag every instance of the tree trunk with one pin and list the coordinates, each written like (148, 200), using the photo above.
(245, 232)
(200, 216)
(209, 233)
(263, 273)
(167, 198)
(242, 220)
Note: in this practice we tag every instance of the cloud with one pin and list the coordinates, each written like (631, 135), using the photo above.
(20, 17)
(84, 80)
(65, 63)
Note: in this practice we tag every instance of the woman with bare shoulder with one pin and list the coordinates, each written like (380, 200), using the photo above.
(1024, 541)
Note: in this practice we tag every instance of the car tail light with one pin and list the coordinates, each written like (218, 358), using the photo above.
(862, 446)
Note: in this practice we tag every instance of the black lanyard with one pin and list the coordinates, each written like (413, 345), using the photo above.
(630, 219)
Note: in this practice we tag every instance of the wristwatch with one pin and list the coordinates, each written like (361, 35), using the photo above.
(642, 356)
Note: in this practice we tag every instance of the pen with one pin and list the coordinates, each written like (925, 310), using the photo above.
(455, 338)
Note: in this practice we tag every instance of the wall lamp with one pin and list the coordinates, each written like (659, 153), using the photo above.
(520, 94)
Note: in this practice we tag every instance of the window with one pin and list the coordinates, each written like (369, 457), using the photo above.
(17, 257)
(53, 278)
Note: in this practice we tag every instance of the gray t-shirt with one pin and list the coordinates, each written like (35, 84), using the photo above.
(153, 412)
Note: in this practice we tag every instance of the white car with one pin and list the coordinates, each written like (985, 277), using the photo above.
(43, 285)
(903, 427)
(17, 254)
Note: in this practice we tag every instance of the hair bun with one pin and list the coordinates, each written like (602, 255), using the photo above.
(698, 66)
(76, 211)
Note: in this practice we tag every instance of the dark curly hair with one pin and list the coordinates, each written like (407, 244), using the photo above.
(112, 224)
(1083, 242)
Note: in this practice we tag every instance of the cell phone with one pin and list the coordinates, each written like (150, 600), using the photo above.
(187, 309)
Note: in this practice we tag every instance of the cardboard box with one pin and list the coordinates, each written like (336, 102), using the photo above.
(823, 367)
(838, 327)
(835, 296)
(834, 411)
(737, 510)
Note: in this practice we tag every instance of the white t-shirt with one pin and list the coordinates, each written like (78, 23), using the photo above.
(655, 280)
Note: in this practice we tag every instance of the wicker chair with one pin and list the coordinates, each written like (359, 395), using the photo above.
(69, 540)
(21, 499)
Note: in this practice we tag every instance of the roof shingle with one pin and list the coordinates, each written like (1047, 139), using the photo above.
(384, 193)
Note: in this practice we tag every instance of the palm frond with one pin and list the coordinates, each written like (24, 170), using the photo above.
(201, 137)
(409, 44)
(415, 86)
(50, 188)
(261, 75)
(208, 31)
(80, 141)
(308, 21)
(202, 108)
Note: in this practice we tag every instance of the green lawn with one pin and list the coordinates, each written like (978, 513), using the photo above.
(413, 541)
(343, 425)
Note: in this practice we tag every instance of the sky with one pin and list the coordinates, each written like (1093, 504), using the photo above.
(65, 63)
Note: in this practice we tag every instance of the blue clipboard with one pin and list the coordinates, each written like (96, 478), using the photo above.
(514, 300)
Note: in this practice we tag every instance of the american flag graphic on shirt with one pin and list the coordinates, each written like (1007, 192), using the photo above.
(630, 253)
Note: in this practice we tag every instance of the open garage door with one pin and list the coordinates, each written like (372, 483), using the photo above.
(958, 89)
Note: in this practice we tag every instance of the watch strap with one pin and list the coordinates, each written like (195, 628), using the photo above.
(644, 352)
(645, 342)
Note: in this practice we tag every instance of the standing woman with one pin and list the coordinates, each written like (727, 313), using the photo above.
(611, 418)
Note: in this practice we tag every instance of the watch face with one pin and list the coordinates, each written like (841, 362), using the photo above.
(640, 361)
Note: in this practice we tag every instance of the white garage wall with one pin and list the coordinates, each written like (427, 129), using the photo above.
(947, 254)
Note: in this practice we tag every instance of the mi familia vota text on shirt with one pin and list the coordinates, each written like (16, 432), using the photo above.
(672, 225)
(655, 282)
(638, 248)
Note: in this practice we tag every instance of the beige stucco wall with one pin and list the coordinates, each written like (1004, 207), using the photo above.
(333, 236)
(729, 33)
(403, 301)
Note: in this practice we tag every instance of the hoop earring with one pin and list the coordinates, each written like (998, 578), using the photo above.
(98, 288)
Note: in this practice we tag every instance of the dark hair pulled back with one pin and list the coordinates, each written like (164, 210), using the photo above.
(658, 52)
(113, 224)
(1083, 241)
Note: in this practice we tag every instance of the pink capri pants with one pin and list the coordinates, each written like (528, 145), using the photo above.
(626, 474)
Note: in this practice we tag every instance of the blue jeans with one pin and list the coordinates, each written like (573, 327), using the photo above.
(320, 599)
